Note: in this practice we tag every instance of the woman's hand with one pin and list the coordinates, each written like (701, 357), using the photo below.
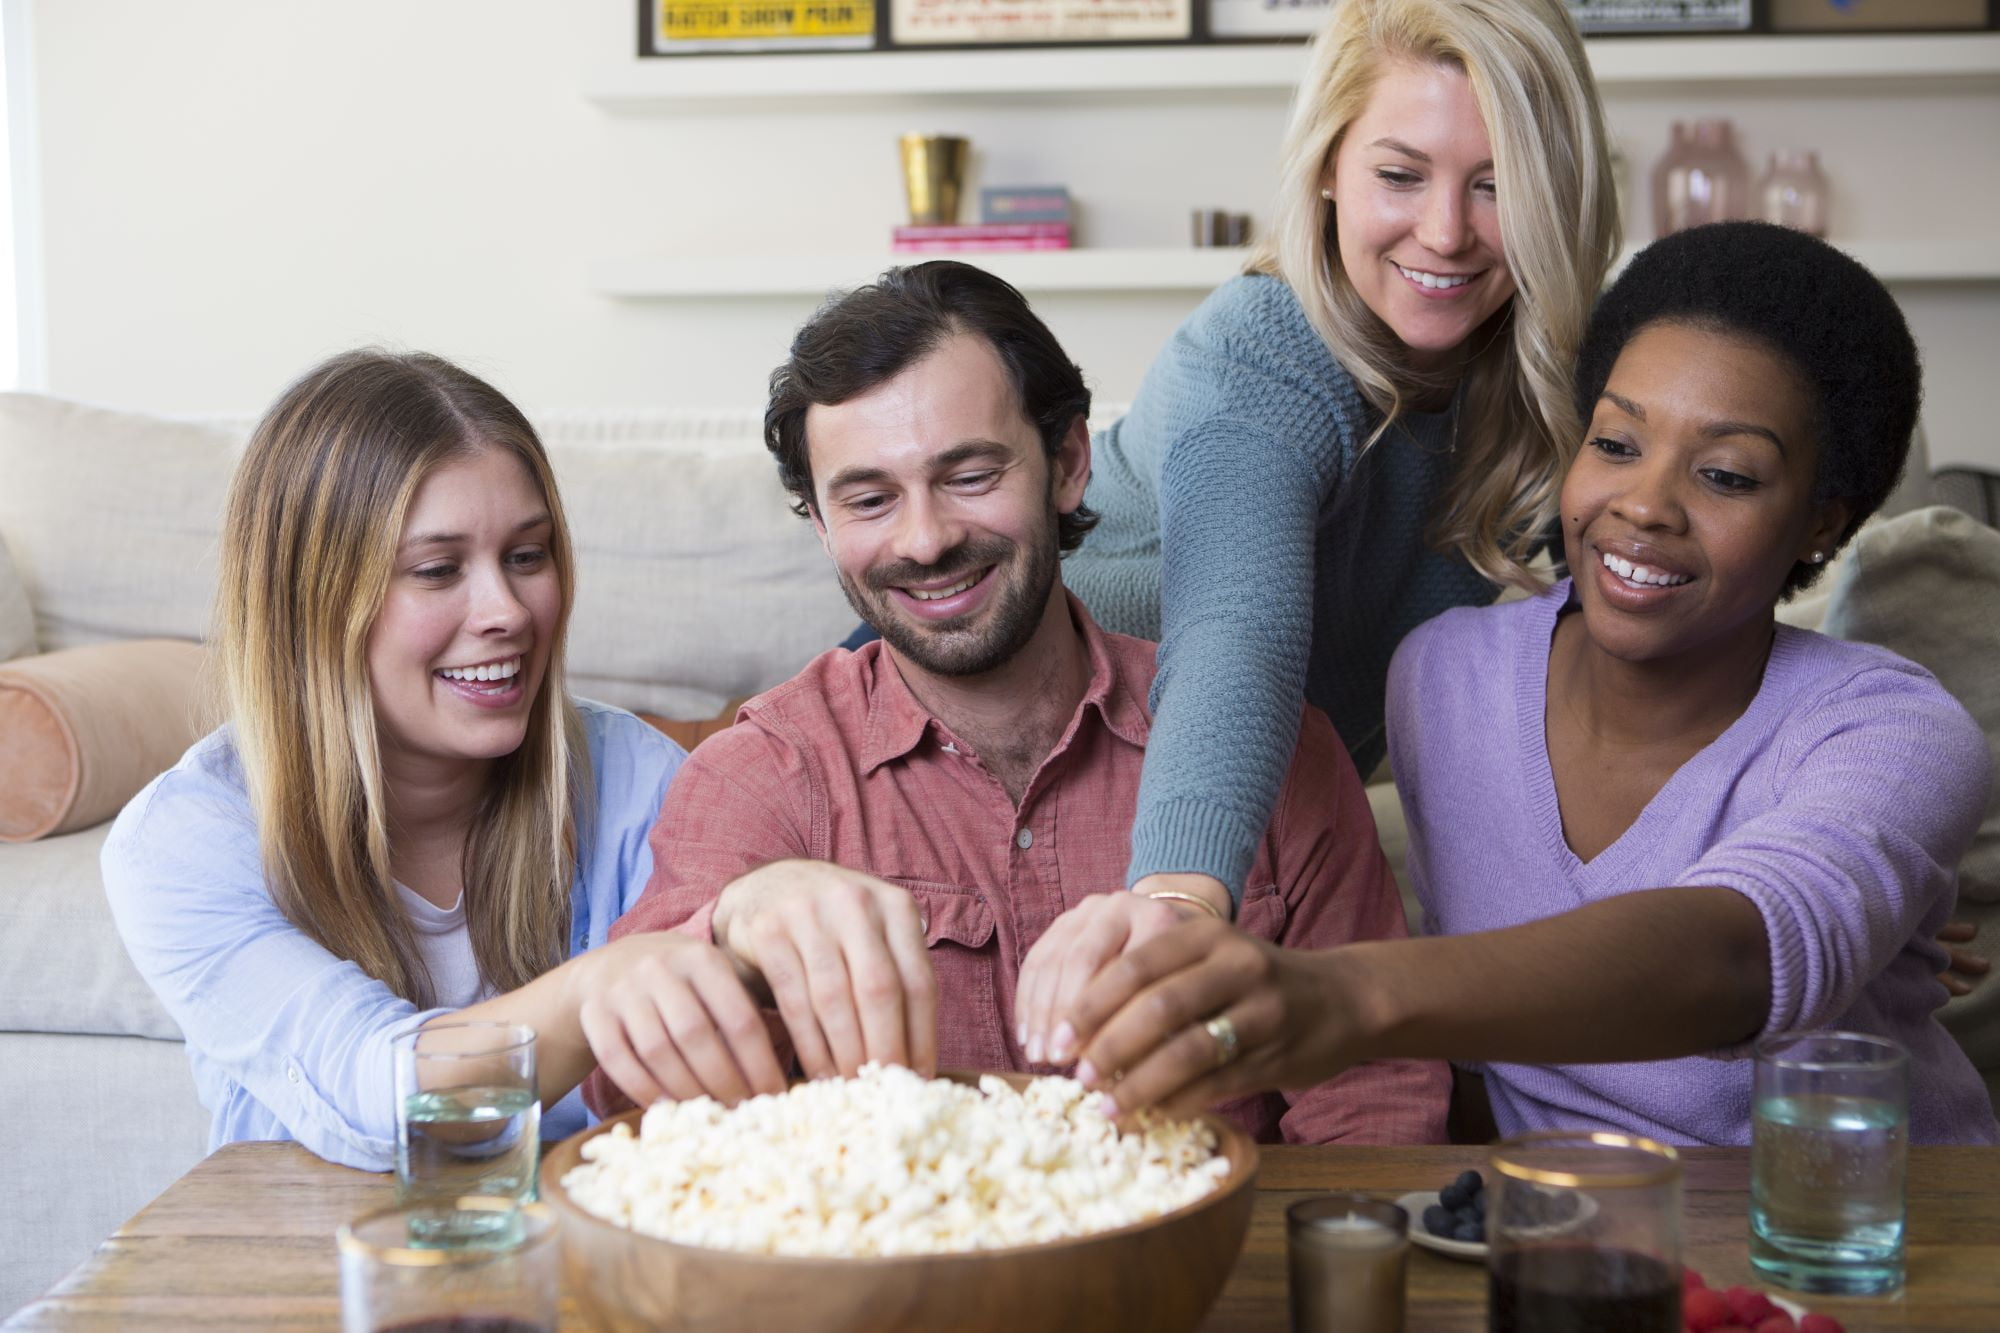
(1141, 1022)
(1072, 951)
(666, 1016)
(843, 956)
(1963, 970)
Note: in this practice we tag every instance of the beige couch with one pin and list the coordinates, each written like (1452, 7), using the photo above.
(695, 586)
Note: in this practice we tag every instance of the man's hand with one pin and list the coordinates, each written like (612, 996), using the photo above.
(1142, 1020)
(667, 1017)
(1078, 944)
(1964, 970)
(843, 955)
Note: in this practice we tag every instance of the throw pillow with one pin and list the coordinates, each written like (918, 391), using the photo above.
(1927, 585)
(17, 618)
(81, 731)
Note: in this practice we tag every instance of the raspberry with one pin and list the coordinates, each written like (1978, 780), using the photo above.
(1703, 1310)
(1820, 1323)
(1729, 1328)
(1690, 1279)
(1777, 1323)
(1749, 1305)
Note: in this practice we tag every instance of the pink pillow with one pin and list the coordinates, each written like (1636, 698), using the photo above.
(82, 730)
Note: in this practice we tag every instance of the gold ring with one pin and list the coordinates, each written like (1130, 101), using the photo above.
(1224, 1033)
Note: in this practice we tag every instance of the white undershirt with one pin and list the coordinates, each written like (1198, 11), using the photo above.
(446, 946)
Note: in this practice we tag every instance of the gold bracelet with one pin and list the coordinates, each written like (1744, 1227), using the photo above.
(1174, 895)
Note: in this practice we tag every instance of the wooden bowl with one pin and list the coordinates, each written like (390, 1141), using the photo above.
(1158, 1276)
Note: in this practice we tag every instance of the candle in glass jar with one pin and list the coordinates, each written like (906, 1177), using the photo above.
(1346, 1255)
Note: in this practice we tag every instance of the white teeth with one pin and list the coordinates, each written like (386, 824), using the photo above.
(942, 593)
(506, 670)
(1644, 574)
(1434, 280)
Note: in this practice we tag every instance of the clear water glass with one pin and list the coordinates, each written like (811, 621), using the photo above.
(506, 1278)
(468, 1116)
(1583, 1234)
(1829, 1157)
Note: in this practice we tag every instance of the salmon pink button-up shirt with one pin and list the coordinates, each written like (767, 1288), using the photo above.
(842, 764)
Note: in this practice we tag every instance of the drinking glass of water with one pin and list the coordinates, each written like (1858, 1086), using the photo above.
(468, 1117)
(505, 1278)
(1829, 1151)
(1583, 1234)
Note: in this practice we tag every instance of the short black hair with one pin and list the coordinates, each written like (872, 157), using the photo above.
(1820, 311)
(872, 334)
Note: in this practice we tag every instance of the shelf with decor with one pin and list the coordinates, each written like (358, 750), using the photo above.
(1135, 270)
(636, 84)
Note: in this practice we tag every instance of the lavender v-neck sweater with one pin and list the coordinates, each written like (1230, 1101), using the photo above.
(1839, 803)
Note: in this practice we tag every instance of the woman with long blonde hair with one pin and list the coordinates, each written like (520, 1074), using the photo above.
(1364, 429)
(407, 817)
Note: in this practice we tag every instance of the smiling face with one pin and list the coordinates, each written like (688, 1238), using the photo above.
(938, 504)
(458, 652)
(1415, 213)
(1691, 499)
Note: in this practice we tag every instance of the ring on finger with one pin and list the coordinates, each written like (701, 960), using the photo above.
(1224, 1033)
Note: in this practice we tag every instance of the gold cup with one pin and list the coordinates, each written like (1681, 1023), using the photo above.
(934, 175)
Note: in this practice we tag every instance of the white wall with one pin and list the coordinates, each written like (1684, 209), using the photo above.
(234, 188)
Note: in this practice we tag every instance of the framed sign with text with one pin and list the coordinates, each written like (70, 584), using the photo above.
(1037, 22)
(1608, 16)
(1238, 20)
(698, 27)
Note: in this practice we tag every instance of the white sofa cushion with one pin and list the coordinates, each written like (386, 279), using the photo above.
(65, 966)
(112, 518)
(17, 618)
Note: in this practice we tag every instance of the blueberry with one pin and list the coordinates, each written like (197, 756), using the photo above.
(1454, 1197)
(1479, 1206)
(1469, 1231)
(1439, 1221)
(1470, 1181)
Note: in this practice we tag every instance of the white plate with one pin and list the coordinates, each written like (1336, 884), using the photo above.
(1414, 1204)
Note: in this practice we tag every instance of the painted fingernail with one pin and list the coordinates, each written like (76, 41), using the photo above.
(1062, 1045)
(1034, 1050)
(1086, 1074)
(1021, 1035)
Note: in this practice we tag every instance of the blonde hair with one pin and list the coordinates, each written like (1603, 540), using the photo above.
(314, 517)
(1559, 225)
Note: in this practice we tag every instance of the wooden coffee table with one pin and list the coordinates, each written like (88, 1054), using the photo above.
(245, 1240)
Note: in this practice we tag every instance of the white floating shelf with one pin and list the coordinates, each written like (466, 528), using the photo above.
(1163, 270)
(665, 82)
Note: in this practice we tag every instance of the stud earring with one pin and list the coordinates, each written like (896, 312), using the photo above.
(1326, 194)
(1819, 557)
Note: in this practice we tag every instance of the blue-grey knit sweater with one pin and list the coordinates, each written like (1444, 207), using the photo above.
(1245, 528)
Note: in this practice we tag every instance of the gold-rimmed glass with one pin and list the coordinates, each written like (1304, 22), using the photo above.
(394, 1279)
(1583, 1232)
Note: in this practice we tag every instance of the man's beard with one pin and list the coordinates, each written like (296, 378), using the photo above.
(943, 648)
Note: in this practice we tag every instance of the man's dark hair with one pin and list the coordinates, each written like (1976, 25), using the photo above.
(873, 334)
(1824, 314)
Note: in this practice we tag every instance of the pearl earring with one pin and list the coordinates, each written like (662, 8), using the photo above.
(1819, 557)
(1326, 194)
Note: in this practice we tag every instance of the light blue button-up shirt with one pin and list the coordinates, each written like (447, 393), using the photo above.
(286, 1040)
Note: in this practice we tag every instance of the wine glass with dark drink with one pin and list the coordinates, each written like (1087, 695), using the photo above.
(1583, 1233)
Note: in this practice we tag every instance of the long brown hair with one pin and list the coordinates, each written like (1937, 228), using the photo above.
(1558, 220)
(314, 516)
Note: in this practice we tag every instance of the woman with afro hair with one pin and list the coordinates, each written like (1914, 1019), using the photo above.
(1649, 824)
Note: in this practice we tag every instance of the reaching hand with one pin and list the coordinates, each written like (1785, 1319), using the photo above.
(843, 955)
(1144, 1022)
(1963, 970)
(667, 1017)
(1072, 951)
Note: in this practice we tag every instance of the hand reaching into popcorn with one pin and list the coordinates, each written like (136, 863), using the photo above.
(842, 954)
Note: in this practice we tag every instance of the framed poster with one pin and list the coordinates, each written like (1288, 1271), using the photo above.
(1037, 22)
(1608, 16)
(696, 27)
(1241, 20)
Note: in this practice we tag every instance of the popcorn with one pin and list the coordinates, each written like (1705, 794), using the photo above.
(888, 1163)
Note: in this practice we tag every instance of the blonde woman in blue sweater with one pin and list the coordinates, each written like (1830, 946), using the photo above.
(1365, 429)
